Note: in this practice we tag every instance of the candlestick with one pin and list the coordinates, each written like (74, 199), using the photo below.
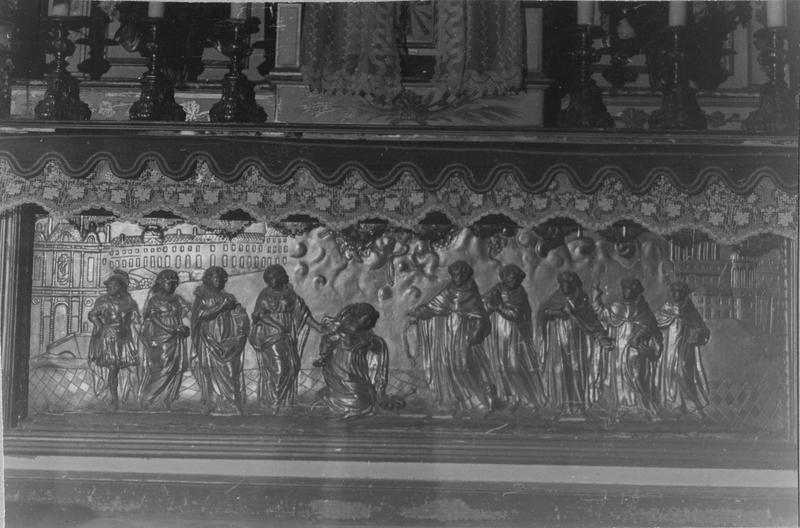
(238, 102)
(155, 10)
(677, 13)
(679, 109)
(157, 99)
(776, 111)
(60, 8)
(62, 100)
(776, 13)
(240, 11)
(585, 12)
(586, 108)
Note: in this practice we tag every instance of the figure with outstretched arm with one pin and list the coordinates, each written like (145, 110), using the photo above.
(281, 323)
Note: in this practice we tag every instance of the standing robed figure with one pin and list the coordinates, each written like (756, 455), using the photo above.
(281, 322)
(637, 347)
(165, 354)
(219, 332)
(512, 357)
(682, 383)
(575, 348)
(451, 329)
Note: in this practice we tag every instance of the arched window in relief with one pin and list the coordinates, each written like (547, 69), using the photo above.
(241, 262)
(198, 262)
(187, 262)
(168, 260)
(224, 260)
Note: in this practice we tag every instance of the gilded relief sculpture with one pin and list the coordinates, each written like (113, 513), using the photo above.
(355, 364)
(637, 347)
(281, 322)
(575, 349)
(219, 329)
(163, 338)
(512, 356)
(683, 388)
(451, 329)
(113, 343)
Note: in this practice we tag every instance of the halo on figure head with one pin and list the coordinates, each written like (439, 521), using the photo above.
(460, 266)
(275, 270)
(120, 277)
(214, 270)
(634, 284)
(512, 269)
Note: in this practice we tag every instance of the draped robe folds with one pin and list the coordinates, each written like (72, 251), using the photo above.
(456, 370)
(509, 346)
(356, 372)
(280, 330)
(165, 354)
(574, 365)
(682, 383)
(219, 333)
(632, 369)
(114, 344)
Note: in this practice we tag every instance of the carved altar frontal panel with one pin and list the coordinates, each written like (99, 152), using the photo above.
(739, 291)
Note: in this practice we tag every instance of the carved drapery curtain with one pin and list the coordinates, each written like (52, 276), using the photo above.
(353, 49)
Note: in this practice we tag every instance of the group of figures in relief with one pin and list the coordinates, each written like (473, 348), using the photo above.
(478, 352)
(354, 361)
(602, 361)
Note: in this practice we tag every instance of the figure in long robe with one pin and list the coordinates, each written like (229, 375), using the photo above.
(575, 348)
(355, 364)
(165, 354)
(451, 329)
(512, 356)
(219, 331)
(637, 347)
(682, 383)
(281, 322)
(112, 346)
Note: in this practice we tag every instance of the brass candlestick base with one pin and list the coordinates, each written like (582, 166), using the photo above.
(776, 111)
(679, 109)
(586, 108)
(238, 103)
(157, 99)
(62, 101)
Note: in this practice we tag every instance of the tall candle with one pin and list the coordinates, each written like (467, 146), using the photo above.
(155, 9)
(585, 12)
(776, 13)
(677, 13)
(240, 11)
(60, 8)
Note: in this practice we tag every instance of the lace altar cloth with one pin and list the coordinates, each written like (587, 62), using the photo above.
(729, 191)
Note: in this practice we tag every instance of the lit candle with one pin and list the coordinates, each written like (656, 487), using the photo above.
(60, 8)
(155, 9)
(677, 13)
(776, 13)
(240, 11)
(585, 12)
